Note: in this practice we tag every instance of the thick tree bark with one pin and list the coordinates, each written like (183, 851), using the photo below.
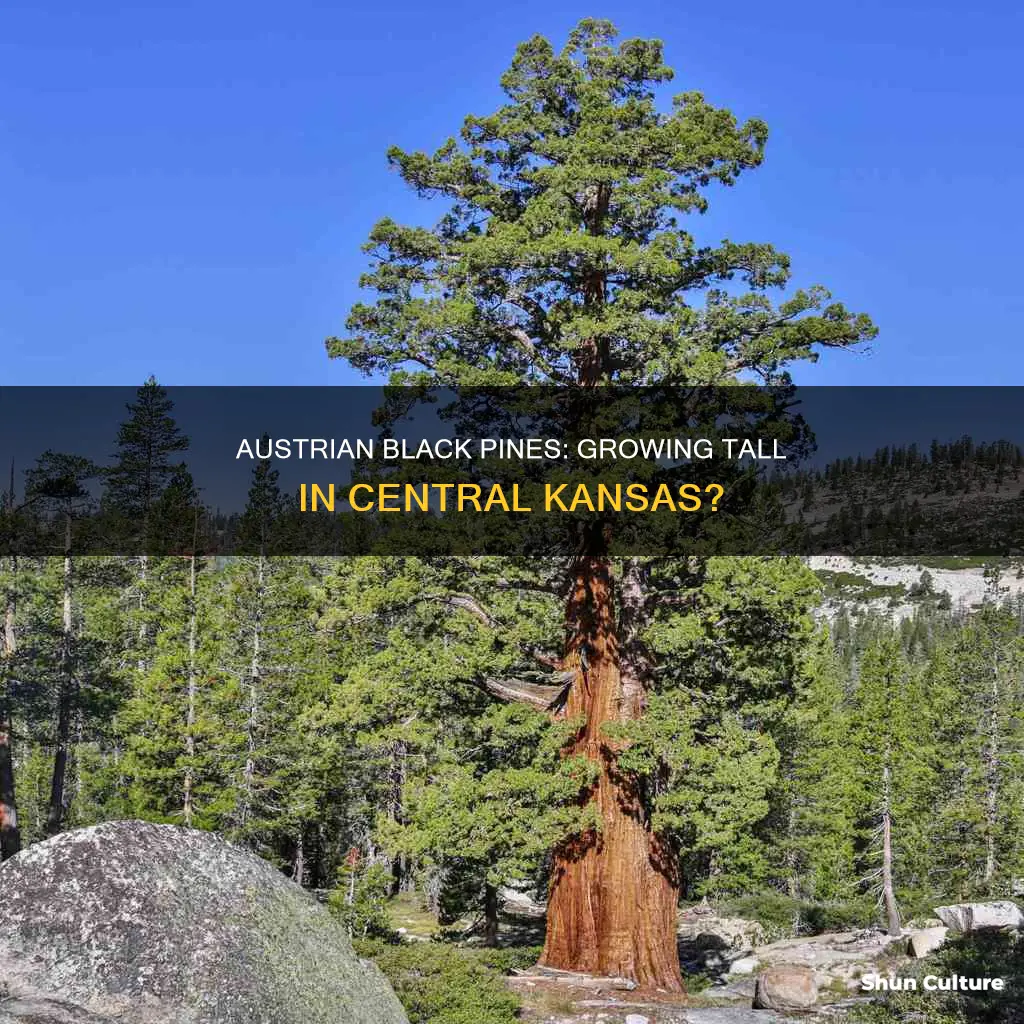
(613, 898)
(612, 905)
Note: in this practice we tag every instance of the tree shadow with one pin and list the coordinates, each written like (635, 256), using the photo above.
(707, 954)
(521, 929)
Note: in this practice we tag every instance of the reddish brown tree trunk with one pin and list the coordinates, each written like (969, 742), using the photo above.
(612, 903)
(613, 896)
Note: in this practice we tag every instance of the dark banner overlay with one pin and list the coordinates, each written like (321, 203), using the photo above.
(512, 471)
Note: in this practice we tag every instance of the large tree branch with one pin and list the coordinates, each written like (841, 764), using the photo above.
(525, 343)
(468, 603)
(556, 588)
(539, 695)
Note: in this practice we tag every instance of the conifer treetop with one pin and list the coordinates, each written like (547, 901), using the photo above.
(562, 257)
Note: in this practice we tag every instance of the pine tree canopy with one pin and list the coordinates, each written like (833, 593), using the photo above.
(563, 256)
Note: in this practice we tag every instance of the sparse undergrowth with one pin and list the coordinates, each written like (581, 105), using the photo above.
(783, 917)
(440, 983)
(855, 586)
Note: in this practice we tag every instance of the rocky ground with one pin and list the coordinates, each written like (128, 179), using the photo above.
(734, 956)
(884, 586)
(729, 953)
(568, 999)
(149, 924)
(722, 957)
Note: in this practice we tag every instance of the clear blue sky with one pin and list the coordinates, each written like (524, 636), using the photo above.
(184, 189)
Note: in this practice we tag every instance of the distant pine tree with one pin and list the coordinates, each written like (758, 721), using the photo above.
(144, 460)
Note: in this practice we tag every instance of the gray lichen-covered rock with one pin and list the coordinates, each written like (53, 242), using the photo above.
(155, 924)
(974, 917)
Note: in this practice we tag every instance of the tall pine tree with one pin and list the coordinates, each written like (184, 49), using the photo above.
(562, 260)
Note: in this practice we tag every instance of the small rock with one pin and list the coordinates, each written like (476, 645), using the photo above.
(923, 941)
(745, 965)
(786, 988)
(637, 1018)
(973, 917)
